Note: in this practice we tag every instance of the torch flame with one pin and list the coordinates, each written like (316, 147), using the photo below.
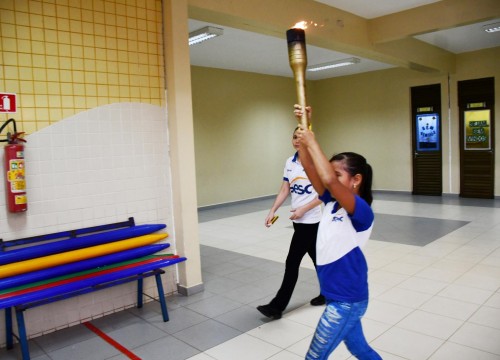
(305, 24)
(300, 25)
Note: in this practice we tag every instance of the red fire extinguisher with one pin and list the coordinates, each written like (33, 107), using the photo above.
(15, 172)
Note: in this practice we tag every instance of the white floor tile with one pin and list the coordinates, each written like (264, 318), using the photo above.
(437, 249)
(377, 289)
(418, 259)
(449, 307)
(466, 293)
(478, 280)
(387, 356)
(377, 261)
(487, 316)
(478, 337)
(430, 286)
(469, 254)
(243, 347)
(286, 355)
(453, 351)
(494, 301)
(387, 278)
(281, 333)
(409, 298)
(385, 312)
(442, 273)
(403, 267)
(300, 347)
(423, 322)
(341, 353)
(306, 315)
(407, 344)
(373, 329)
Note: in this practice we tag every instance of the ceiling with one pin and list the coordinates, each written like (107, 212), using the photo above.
(249, 51)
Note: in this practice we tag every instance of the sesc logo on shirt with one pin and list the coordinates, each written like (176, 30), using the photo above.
(300, 189)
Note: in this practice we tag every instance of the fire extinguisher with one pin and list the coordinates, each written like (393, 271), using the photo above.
(15, 171)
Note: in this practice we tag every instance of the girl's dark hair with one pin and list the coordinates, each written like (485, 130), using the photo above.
(357, 164)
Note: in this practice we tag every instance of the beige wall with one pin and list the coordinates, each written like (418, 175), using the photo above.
(370, 114)
(243, 124)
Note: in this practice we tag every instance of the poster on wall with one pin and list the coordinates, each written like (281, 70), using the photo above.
(477, 130)
(427, 126)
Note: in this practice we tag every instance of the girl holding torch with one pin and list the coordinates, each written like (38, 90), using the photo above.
(344, 185)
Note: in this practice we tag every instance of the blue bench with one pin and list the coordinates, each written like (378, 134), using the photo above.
(76, 278)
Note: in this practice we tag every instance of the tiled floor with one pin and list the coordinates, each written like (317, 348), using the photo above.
(434, 282)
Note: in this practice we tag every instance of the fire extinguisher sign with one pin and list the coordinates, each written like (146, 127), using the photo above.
(8, 102)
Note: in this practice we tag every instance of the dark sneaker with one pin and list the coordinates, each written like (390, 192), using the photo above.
(269, 311)
(318, 300)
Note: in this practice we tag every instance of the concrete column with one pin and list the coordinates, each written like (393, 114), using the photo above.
(181, 137)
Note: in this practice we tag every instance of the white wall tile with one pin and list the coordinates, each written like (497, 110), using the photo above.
(96, 167)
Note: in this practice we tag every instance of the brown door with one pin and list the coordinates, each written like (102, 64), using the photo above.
(426, 140)
(477, 138)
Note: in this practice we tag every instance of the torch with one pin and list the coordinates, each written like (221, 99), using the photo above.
(297, 56)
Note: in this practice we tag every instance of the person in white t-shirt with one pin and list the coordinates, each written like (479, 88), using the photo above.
(305, 215)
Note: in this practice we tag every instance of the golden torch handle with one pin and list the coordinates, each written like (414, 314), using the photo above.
(297, 56)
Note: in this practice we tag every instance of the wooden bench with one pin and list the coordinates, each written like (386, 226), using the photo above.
(24, 290)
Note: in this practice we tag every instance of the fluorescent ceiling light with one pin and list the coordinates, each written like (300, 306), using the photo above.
(491, 28)
(333, 64)
(208, 32)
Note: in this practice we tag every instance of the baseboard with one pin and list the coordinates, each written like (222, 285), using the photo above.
(187, 291)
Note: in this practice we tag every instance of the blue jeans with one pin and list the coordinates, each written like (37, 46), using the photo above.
(341, 321)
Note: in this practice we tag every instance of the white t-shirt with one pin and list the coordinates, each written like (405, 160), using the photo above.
(301, 190)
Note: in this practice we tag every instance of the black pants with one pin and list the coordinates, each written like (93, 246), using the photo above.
(303, 241)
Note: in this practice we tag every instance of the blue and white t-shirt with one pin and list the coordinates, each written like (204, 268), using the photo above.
(341, 265)
(301, 190)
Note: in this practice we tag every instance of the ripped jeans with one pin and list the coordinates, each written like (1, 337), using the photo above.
(341, 321)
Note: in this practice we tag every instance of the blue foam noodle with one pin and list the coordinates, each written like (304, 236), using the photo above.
(48, 273)
(85, 283)
(76, 243)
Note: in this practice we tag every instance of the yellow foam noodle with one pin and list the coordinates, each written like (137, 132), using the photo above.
(77, 255)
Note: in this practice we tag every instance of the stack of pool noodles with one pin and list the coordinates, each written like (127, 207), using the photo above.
(60, 263)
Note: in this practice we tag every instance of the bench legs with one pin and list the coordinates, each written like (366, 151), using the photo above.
(8, 328)
(139, 292)
(21, 328)
(161, 296)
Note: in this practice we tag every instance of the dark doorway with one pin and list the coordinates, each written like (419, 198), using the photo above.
(426, 140)
(477, 137)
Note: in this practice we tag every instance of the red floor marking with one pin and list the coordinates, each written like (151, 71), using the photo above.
(112, 342)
